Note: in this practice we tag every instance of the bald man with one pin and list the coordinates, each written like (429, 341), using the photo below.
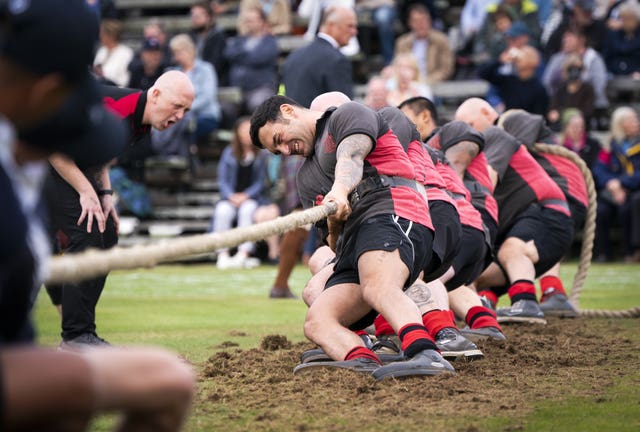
(534, 225)
(81, 198)
(320, 67)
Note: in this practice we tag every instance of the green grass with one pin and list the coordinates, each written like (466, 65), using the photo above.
(191, 309)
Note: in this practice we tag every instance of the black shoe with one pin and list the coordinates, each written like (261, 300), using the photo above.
(427, 362)
(387, 347)
(454, 346)
(359, 364)
(522, 311)
(84, 341)
(558, 305)
(482, 333)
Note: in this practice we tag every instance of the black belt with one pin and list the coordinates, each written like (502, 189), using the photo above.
(369, 184)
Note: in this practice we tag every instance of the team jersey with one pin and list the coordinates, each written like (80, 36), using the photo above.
(387, 157)
(530, 129)
(424, 167)
(521, 180)
(468, 214)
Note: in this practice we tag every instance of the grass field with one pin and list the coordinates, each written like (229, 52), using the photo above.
(195, 310)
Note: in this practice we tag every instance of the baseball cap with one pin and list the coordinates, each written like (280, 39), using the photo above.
(518, 28)
(59, 36)
(151, 44)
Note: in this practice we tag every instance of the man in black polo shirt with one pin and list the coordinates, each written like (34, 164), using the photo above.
(81, 201)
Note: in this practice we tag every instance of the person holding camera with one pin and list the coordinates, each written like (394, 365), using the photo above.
(574, 92)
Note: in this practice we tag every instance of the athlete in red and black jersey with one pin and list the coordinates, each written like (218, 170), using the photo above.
(530, 129)
(464, 301)
(83, 193)
(355, 161)
(534, 219)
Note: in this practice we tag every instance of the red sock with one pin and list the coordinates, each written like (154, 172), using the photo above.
(493, 298)
(522, 290)
(551, 285)
(362, 352)
(361, 332)
(382, 326)
(436, 320)
(480, 316)
(415, 338)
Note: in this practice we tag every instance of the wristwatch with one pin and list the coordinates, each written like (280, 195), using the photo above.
(105, 192)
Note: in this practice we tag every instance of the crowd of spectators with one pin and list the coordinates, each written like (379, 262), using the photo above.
(555, 58)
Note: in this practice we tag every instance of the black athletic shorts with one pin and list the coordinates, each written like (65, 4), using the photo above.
(578, 213)
(550, 230)
(446, 241)
(383, 232)
(474, 256)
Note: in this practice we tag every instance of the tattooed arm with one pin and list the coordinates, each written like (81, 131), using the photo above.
(461, 154)
(350, 157)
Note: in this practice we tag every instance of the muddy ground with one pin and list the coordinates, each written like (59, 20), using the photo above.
(256, 390)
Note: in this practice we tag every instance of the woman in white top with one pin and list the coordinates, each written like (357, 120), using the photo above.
(113, 58)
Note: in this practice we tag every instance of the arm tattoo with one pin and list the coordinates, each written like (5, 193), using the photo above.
(350, 160)
(420, 294)
(461, 155)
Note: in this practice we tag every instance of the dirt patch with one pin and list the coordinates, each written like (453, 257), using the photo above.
(580, 357)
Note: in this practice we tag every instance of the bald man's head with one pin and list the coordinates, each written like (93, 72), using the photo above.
(168, 100)
(477, 113)
(328, 100)
(341, 23)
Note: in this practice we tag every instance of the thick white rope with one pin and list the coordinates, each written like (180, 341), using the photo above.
(92, 263)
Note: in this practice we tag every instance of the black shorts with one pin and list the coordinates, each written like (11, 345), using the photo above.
(578, 213)
(490, 228)
(383, 232)
(550, 230)
(473, 258)
(446, 241)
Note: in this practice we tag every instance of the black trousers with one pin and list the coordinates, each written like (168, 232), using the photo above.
(626, 215)
(78, 300)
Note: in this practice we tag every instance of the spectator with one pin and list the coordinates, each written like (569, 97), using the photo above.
(472, 17)
(277, 14)
(205, 108)
(384, 15)
(306, 73)
(578, 15)
(113, 58)
(575, 137)
(242, 172)
(253, 59)
(429, 46)
(525, 11)
(573, 93)
(149, 67)
(154, 29)
(522, 89)
(622, 47)
(377, 93)
(594, 70)
(210, 39)
(405, 81)
(320, 67)
(488, 46)
(617, 177)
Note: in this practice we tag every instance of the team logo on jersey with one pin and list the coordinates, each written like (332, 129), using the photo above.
(329, 144)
